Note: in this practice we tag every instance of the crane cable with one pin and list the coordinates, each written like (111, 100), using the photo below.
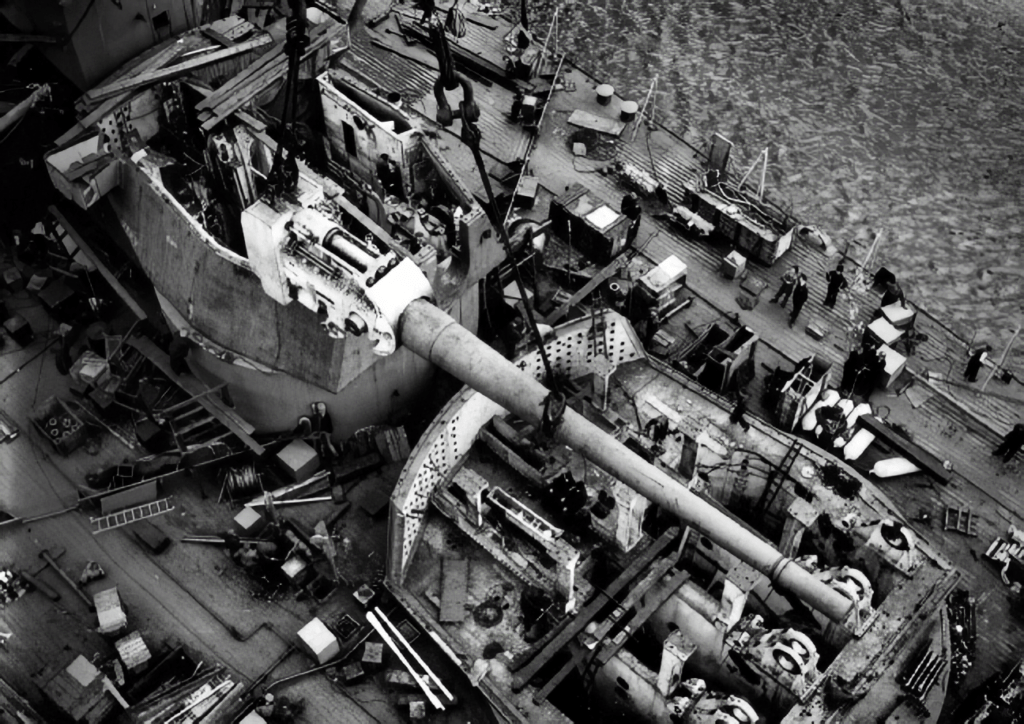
(284, 171)
(554, 403)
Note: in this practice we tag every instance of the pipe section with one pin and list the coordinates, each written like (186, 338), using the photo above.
(435, 336)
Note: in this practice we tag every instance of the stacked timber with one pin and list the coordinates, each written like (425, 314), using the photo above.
(267, 70)
(209, 692)
(102, 100)
(921, 674)
(213, 43)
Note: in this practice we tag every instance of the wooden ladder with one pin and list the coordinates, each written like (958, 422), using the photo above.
(961, 520)
(192, 424)
(130, 515)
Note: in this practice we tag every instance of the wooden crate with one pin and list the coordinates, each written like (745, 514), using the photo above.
(572, 218)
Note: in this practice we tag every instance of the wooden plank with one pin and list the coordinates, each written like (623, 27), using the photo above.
(616, 263)
(76, 172)
(224, 104)
(19, 55)
(216, 37)
(112, 280)
(157, 76)
(466, 58)
(596, 123)
(194, 387)
(585, 652)
(254, 123)
(234, 82)
(109, 105)
(275, 55)
(914, 452)
(27, 38)
(242, 84)
(190, 400)
(454, 579)
(654, 576)
(527, 668)
(578, 654)
(652, 602)
(159, 60)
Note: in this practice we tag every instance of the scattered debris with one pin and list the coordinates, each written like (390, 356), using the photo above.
(189, 700)
(963, 635)
(12, 586)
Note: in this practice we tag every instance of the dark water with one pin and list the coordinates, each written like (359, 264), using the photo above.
(901, 116)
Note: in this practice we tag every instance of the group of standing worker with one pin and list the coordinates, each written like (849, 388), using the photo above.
(795, 283)
(865, 362)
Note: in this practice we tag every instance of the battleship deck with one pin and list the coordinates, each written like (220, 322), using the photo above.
(953, 421)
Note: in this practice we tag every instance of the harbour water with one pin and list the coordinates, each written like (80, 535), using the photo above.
(900, 116)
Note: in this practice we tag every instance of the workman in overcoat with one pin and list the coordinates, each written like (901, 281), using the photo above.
(800, 292)
(975, 361)
(1012, 442)
(836, 283)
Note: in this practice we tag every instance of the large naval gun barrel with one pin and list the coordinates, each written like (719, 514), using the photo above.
(435, 336)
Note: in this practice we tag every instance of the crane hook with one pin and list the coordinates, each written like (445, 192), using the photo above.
(467, 110)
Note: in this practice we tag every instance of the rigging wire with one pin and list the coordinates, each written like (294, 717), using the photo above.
(468, 112)
(284, 171)
(650, 155)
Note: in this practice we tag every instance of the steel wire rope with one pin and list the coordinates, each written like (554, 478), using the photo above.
(554, 404)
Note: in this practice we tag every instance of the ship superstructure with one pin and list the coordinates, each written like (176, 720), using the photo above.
(288, 297)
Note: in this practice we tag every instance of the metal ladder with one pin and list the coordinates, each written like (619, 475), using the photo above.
(599, 328)
(130, 515)
(777, 476)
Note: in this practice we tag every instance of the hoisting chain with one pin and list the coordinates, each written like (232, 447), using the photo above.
(469, 113)
(284, 172)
